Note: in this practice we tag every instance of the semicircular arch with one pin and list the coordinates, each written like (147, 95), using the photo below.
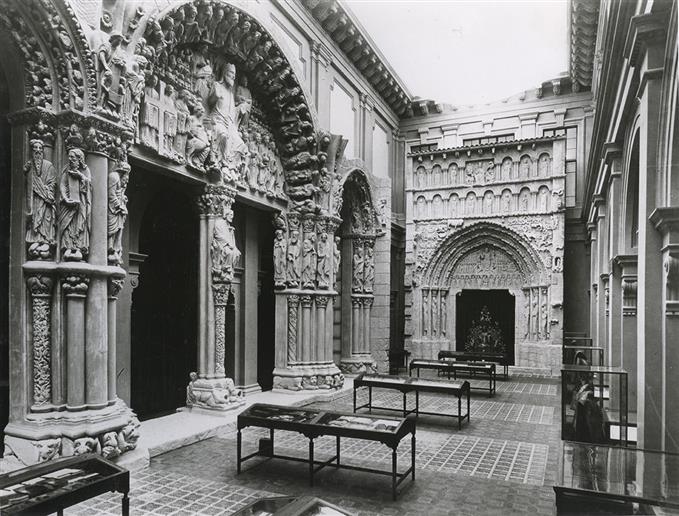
(488, 247)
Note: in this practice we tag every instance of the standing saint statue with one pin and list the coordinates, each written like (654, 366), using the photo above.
(223, 251)
(117, 210)
(279, 249)
(358, 268)
(293, 259)
(225, 114)
(323, 266)
(76, 200)
(308, 263)
(369, 269)
(40, 199)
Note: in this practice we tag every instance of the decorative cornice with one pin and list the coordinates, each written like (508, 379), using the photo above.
(342, 27)
(644, 29)
(465, 148)
(665, 219)
(584, 17)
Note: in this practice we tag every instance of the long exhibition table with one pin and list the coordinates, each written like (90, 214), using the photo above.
(416, 385)
(316, 423)
(453, 366)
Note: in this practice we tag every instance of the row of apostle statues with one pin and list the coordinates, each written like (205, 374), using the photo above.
(59, 208)
(309, 262)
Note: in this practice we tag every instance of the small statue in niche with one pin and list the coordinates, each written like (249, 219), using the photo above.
(293, 259)
(490, 172)
(75, 188)
(434, 315)
(323, 266)
(169, 122)
(426, 315)
(369, 269)
(544, 324)
(469, 174)
(41, 202)
(358, 266)
(263, 171)
(134, 89)
(535, 313)
(526, 313)
(117, 210)
(279, 250)
(224, 253)
(505, 201)
(308, 263)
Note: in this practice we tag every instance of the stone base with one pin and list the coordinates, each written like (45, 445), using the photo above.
(213, 395)
(358, 364)
(110, 431)
(306, 377)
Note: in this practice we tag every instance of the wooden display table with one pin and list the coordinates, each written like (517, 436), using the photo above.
(476, 356)
(55, 485)
(291, 506)
(453, 366)
(316, 423)
(416, 385)
(612, 479)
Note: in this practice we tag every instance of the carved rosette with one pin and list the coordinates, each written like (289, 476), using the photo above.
(293, 305)
(40, 289)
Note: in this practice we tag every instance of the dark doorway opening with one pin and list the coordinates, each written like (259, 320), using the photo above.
(5, 198)
(164, 306)
(500, 305)
(266, 306)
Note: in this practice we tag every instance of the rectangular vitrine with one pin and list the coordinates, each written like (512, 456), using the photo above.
(594, 404)
(583, 355)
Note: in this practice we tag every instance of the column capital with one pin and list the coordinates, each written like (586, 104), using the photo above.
(75, 285)
(39, 285)
(115, 285)
(306, 301)
(215, 200)
(322, 301)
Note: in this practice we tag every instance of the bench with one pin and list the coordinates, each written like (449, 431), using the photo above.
(416, 385)
(316, 423)
(476, 356)
(55, 485)
(449, 366)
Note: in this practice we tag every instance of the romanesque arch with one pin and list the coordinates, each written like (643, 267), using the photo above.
(67, 286)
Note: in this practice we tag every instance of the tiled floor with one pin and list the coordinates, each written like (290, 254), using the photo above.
(502, 462)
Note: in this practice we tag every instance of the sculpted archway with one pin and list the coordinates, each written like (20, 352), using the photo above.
(359, 229)
(482, 256)
(65, 292)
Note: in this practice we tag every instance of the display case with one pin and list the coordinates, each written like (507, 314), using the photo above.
(594, 404)
(615, 480)
(582, 355)
(291, 506)
(577, 341)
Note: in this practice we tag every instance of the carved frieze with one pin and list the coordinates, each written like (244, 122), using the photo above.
(40, 289)
(293, 306)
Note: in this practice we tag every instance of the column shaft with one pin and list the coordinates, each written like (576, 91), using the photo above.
(75, 339)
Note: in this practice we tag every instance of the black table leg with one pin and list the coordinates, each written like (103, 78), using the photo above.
(417, 403)
(238, 451)
(490, 384)
(311, 461)
(370, 399)
(126, 505)
(459, 412)
(404, 404)
(337, 450)
(469, 418)
(393, 473)
(354, 398)
(60, 512)
(412, 457)
(271, 438)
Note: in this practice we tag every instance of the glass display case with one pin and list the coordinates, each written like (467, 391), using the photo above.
(615, 480)
(594, 404)
(577, 341)
(582, 355)
(291, 506)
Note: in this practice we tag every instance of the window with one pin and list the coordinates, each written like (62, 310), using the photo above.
(488, 139)
(571, 134)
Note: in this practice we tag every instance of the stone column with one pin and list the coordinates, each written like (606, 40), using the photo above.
(75, 289)
(114, 286)
(40, 289)
(96, 350)
(367, 310)
(304, 276)
(628, 325)
(594, 282)
(208, 387)
(666, 220)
